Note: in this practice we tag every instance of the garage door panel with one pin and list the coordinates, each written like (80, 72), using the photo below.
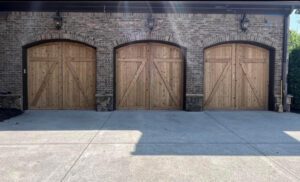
(42, 90)
(79, 84)
(140, 89)
(72, 91)
(219, 53)
(43, 70)
(162, 94)
(132, 79)
(166, 83)
(45, 51)
(253, 66)
(90, 81)
(174, 79)
(69, 84)
(158, 85)
(247, 99)
(218, 86)
(133, 96)
(71, 50)
(218, 70)
(215, 73)
(166, 77)
(131, 75)
(245, 85)
(135, 51)
(52, 92)
(251, 74)
(87, 78)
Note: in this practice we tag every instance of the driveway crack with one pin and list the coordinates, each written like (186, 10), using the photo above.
(85, 148)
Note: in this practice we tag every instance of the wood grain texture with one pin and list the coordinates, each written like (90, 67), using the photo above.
(43, 76)
(131, 77)
(166, 83)
(61, 75)
(149, 76)
(252, 66)
(236, 76)
(218, 72)
(79, 76)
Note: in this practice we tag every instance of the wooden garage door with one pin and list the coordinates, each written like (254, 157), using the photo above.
(149, 76)
(236, 76)
(61, 75)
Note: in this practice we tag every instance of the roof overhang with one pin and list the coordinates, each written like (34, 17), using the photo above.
(251, 7)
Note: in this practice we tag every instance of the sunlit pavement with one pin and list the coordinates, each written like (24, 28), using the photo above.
(150, 146)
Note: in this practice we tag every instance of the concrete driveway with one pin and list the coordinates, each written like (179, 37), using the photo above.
(150, 146)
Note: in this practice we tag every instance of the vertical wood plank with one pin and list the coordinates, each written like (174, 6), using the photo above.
(253, 66)
(166, 84)
(131, 77)
(43, 66)
(218, 76)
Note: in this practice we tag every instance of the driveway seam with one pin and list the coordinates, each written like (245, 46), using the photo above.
(169, 143)
(149, 143)
(253, 147)
(77, 159)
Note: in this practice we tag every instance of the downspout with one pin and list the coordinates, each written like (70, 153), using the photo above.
(285, 60)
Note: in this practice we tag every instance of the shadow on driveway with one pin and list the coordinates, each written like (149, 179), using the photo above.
(222, 133)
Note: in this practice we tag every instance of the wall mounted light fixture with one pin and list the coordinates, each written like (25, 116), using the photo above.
(58, 20)
(150, 22)
(244, 23)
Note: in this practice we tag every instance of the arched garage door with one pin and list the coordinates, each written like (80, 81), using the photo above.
(236, 76)
(61, 75)
(149, 76)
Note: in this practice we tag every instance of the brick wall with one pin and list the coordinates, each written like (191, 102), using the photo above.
(108, 30)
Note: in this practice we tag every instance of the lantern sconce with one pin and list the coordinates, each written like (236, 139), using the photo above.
(244, 23)
(57, 20)
(150, 22)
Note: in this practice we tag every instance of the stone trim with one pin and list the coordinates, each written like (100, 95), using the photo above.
(104, 103)
(193, 103)
(11, 101)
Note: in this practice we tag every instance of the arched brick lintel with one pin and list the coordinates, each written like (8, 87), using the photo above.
(250, 38)
(143, 37)
(58, 35)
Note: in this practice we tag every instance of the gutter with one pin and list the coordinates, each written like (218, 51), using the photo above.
(249, 7)
(285, 60)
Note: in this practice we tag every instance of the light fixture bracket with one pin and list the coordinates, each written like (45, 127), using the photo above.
(244, 23)
(150, 23)
(58, 20)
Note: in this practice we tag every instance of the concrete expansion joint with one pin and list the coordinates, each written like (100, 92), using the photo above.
(86, 147)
